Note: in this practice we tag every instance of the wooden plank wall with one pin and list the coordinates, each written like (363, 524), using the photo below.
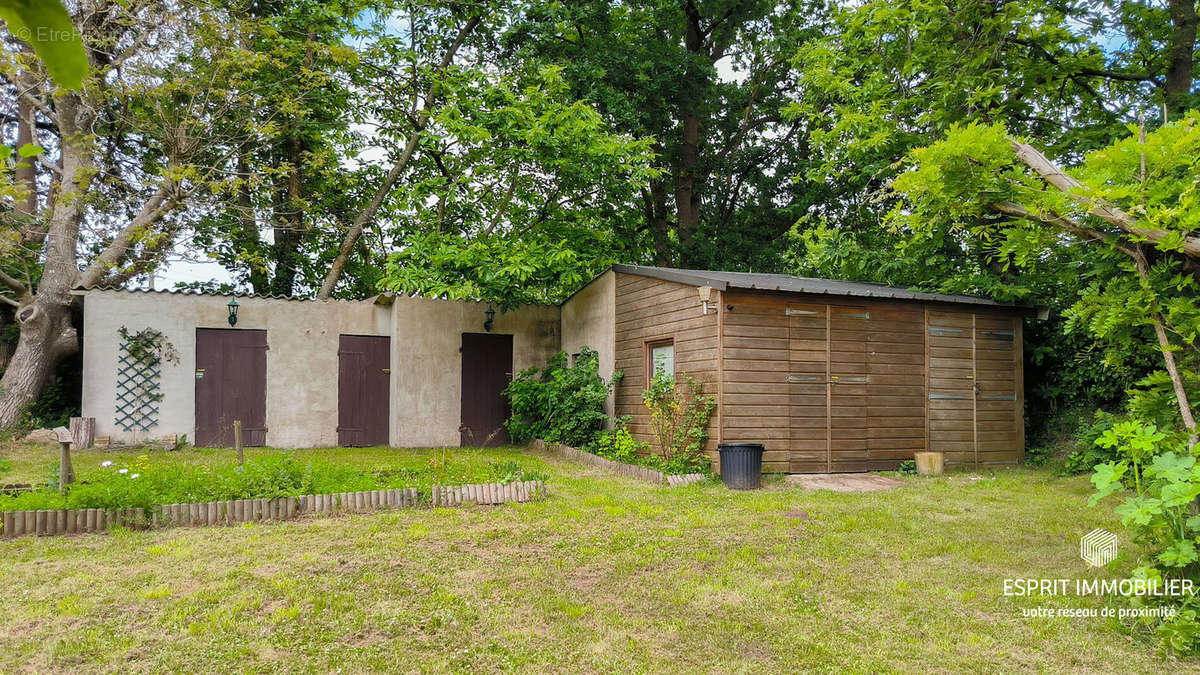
(651, 309)
(833, 384)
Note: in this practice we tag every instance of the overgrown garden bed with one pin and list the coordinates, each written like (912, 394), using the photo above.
(146, 480)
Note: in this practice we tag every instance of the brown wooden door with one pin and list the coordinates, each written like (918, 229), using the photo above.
(808, 388)
(848, 388)
(896, 394)
(487, 365)
(363, 390)
(998, 418)
(231, 384)
(952, 384)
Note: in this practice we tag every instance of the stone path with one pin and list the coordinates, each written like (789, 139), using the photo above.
(844, 482)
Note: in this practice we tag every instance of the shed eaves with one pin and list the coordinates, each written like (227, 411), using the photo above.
(787, 283)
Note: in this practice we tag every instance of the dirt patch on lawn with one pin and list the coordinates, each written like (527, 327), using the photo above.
(844, 482)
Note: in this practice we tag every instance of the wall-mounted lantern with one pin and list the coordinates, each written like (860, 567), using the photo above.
(705, 295)
(491, 317)
(233, 308)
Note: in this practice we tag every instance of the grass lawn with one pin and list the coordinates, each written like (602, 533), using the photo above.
(25, 463)
(607, 574)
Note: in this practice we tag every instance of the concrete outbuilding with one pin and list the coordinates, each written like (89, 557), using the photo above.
(830, 376)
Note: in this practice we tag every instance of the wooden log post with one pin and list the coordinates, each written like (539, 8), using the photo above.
(83, 432)
(66, 472)
(237, 442)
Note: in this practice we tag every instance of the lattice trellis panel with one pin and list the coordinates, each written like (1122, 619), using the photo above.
(138, 393)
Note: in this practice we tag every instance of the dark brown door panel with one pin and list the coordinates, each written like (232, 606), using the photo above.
(231, 384)
(363, 390)
(487, 366)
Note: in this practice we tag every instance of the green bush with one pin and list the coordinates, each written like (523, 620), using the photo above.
(1159, 483)
(142, 484)
(1087, 453)
(560, 403)
(1038, 456)
(679, 413)
(619, 445)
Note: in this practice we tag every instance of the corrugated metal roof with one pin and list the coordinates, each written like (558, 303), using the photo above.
(81, 290)
(784, 282)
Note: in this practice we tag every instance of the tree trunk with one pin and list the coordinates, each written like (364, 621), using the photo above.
(289, 222)
(1168, 351)
(249, 225)
(47, 336)
(1177, 86)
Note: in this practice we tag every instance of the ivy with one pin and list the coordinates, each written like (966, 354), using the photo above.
(148, 346)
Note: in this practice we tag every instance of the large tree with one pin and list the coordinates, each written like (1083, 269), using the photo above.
(94, 198)
(706, 80)
(491, 182)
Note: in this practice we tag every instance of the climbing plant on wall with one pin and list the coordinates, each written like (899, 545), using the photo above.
(139, 374)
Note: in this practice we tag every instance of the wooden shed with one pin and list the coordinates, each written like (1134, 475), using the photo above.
(830, 376)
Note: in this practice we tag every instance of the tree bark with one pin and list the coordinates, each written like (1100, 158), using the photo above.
(1060, 180)
(1177, 85)
(1168, 350)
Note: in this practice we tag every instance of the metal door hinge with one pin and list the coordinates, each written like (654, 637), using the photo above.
(800, 312)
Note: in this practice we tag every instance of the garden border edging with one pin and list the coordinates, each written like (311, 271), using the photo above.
(628, 470)
(53, 522)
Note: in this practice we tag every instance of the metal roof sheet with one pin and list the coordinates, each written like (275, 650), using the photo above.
(82, 290)
(784, 282)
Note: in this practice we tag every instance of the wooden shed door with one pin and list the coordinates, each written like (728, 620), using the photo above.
(975, 414)
(363, 391)
(808, 388)
(896, 395)
(849, 385)
(487, 365)
(231, 384)
(999, 421)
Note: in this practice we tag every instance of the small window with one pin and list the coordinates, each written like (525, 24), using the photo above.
(660, 359)
(575, 359)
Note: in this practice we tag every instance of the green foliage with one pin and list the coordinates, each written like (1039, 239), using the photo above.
(1088, 452)
(538, 217)
(5, 465)
(619, 445)
(561, 402)
(1160, 511)
(46, 26)
(1038, 455)
(142, 484)
(148, 346)
(908, 467)
(679, 414)
(55, 407)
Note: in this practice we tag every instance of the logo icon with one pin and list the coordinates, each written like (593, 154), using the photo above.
(1098, 547)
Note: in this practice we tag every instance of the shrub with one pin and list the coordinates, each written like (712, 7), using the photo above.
(619, 445)
(1087, 453)
(560, 403)
(1160, 513)
(679, 413)
(908, 467)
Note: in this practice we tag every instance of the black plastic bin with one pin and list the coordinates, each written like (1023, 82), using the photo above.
(741, 465)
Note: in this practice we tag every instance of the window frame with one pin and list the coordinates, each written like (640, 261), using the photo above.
(648, 347)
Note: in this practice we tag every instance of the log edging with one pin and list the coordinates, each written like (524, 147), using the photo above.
(48, 523)
(628, 470)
